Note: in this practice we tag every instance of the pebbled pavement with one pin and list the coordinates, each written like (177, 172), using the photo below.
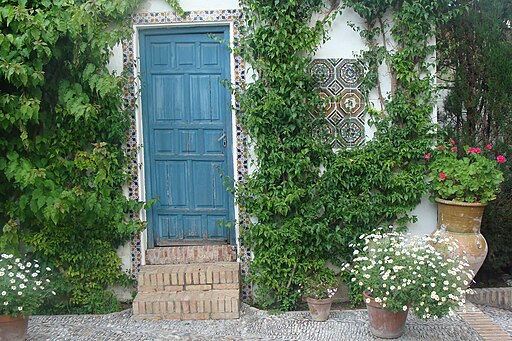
(254, 324)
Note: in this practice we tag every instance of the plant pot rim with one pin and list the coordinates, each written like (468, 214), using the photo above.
(460, 203)
(319, 300)
(8, 317)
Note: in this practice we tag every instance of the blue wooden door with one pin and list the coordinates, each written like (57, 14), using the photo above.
(187, 124)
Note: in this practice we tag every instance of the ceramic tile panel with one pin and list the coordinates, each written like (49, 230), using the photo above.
(339, 81)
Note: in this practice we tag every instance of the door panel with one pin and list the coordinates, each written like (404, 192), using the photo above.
(169, 97)
(187, 118)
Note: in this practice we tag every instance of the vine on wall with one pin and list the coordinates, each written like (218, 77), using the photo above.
(309, 202)
(276, 112)
(62, 129)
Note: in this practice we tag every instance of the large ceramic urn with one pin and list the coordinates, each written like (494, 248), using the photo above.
(461, 221)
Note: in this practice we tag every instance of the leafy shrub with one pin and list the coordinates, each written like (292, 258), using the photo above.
(62, 131)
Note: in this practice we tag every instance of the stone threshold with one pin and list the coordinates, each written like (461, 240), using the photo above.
(483, 324)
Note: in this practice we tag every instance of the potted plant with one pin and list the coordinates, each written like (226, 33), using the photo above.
(397, 273)
(23, 288)
(462, 183)
(318, 289)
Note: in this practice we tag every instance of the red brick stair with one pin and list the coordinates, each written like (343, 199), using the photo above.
(198, 290)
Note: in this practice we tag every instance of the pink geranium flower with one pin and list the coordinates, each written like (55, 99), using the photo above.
(452, 141)
(427, 156)
(442, 176)
(441, 147)
(501, 159)
(474, 150)
(489, 147)
(453, 149)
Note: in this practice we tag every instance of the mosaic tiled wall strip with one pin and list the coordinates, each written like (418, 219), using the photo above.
(221, 16)
(339, 81)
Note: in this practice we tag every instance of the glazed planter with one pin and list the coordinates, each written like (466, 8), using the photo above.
(319, 308)
(461, 221)
(13, 328)
(384, 323)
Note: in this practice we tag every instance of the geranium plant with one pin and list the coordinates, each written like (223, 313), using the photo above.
(403, 271)
(23, 285)
(470, 175)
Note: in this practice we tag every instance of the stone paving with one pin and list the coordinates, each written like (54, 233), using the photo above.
(254, 324)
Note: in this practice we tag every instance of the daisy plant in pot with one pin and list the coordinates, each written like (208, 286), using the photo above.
(24, 285)
(463, 181)
(398, 272)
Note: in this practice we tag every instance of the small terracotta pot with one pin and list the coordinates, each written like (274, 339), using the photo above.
(13, 328)
(319, 308)
(383, 322)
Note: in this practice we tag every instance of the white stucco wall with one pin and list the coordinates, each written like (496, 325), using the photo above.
(343, 43)
(189, 5)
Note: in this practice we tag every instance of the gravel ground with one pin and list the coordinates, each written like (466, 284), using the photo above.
(253, 325)
(502, 317)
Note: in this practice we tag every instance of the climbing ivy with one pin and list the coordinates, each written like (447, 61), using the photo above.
(279, 39)
(308, 202)
(62, 128)
(383, 181)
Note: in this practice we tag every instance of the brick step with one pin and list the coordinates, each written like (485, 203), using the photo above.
(188, 305)
(191, 254)
(189, 277)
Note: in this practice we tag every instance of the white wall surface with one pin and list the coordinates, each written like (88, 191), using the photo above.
(189, 5)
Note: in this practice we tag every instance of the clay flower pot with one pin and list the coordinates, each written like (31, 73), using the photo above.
(13, 328)
(319, 308)
(383, 322)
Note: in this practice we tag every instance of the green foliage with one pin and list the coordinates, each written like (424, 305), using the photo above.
(496, 226)
(176, 6)
(276, 112)
(475, 55)
(472, 177)
(384, 180)
(320, 284)
(476, 59)
(309, 203)
(62, 129)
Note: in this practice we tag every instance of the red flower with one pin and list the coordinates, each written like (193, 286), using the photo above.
(453, 149)
(452, 141)
(474, 150)
(441, 147)
(426, 156)
(489, 147)
(442, 176)
(501, 159)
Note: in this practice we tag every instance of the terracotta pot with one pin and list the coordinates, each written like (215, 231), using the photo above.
(383, 322)
(461, 221)
(13, 328)
(319, 308)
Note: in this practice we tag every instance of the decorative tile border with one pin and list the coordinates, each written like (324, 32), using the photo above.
(233, 16)
(339, 81)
